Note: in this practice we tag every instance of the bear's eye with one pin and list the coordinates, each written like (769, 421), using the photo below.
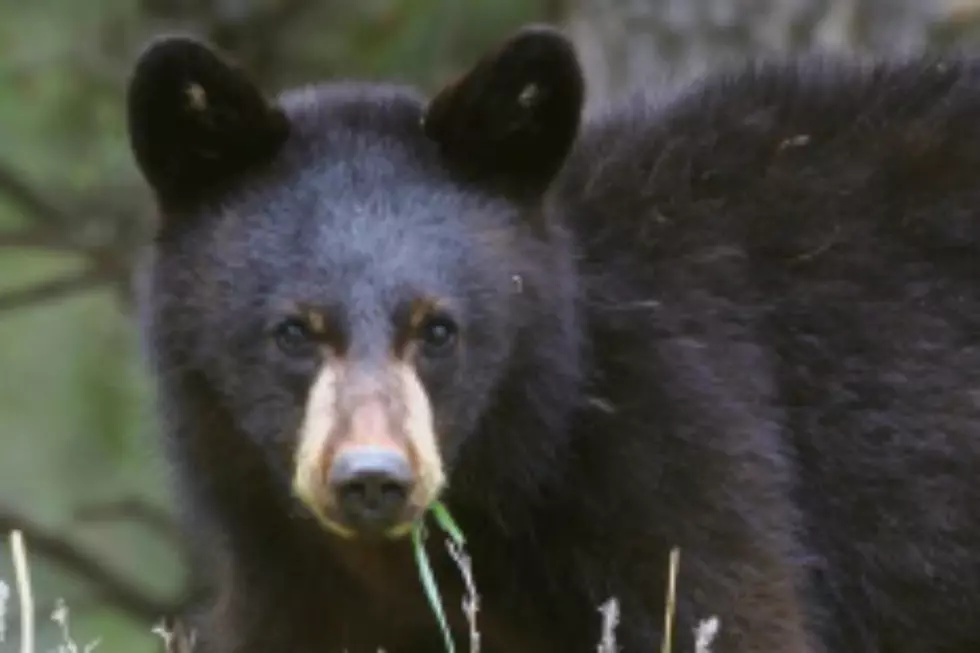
(437, 333)
(293, 337)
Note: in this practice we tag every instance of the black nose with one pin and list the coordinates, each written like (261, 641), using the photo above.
(371, 486)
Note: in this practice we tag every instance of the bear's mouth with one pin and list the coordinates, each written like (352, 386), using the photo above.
(365, 513)
(373, 530)
(367, 462)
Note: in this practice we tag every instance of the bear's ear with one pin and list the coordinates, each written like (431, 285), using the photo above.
(195, 121)
(513, 117)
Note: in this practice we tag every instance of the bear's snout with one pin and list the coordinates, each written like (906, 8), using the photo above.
(371, 487)
(368, 460)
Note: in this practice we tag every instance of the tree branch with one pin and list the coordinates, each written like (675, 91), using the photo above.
(19, 193)
(40, 239)
(109, 586)
(131, 510)
(57, 288)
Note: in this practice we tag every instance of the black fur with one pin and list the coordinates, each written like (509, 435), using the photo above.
(196, 122)
(742, 321)
(513, 117)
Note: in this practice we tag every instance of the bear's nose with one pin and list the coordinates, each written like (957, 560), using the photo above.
(371, 486)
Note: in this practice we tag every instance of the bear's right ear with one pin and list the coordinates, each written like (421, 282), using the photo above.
(514, 116)
(195, 121)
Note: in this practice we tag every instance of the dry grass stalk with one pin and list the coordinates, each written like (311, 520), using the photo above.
(610, 620)
(68, 645)
(22, 575)
(178, 639)
(666, 645)
(471, 601)
(705, 634)
(4, 598)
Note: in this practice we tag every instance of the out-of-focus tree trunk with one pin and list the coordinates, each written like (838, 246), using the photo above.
(624, 42)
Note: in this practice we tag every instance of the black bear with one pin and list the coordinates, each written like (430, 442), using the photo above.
(742, 321)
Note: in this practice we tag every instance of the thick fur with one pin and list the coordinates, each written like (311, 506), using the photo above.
(742, 321)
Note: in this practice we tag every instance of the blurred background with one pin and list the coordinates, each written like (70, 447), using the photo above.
(79, 470)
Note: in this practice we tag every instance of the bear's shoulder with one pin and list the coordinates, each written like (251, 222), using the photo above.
(762, 152)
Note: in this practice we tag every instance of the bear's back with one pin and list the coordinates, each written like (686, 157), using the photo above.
(766, 152)
(828, 212)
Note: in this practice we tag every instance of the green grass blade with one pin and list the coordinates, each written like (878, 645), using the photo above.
(429, 583)
(447, 523)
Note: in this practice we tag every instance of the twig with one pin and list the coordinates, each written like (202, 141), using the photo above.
(53, 289)
(56, 230)
(20, 193)
(111, 588)
(23, 575)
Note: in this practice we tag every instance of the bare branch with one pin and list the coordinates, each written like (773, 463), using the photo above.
(132, 510)
(109, 586)
(57, 288)
(40, 239)
(22, 195)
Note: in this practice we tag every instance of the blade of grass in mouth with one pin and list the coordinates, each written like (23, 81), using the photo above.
(449, 526)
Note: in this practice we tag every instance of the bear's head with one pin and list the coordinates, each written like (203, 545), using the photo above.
(350, 269)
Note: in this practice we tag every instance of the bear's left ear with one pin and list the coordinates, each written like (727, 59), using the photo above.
(195, 121)
(514, 116)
